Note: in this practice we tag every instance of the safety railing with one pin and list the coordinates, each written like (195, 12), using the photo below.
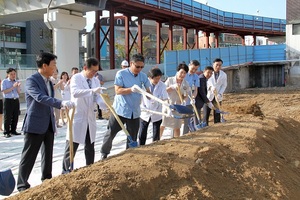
(206, 13)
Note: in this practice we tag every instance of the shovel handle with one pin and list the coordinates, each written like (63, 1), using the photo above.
(195, 109)
(179, 93)
(217, 100)
(106, 100)
(70, 126)
(142, 92)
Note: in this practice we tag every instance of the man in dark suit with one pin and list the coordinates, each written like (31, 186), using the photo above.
(201, 97)
(39, 123)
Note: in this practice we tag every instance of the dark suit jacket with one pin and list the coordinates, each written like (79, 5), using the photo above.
(201, 97)
(39, 114)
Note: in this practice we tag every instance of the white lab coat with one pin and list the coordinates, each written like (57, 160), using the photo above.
(160, 92)
(220, 85)
(85, 107)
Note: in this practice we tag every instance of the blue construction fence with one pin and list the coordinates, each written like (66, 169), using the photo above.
(228, 19)
(231, 56)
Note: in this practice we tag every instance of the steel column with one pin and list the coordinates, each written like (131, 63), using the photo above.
(97, 34)
(140, 35)
(158, 42)
(254, 40)
(243, 39)
(185, 33)
(170, 34)
(112, 37)
(196, 39)
(217, 40)
(127, 51)
(206, 34)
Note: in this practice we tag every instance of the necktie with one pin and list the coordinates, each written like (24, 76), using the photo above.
(152, 87)
(48, 86)
(89, 83)
(216, 76)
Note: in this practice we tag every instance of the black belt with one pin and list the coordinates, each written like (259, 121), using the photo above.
(11, 98)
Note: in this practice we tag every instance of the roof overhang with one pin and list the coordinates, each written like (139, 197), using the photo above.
(26, 10)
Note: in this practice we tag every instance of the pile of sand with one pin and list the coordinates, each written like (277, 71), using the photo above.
(254, 155)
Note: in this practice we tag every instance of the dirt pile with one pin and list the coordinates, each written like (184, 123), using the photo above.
(248, 157)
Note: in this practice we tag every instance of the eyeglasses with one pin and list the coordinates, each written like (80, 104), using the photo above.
(138, 67)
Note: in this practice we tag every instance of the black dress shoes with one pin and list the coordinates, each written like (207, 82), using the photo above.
(15, 133)
(103, 156)
(7, 135)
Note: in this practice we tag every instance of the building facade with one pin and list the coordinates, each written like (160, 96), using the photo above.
(293, 41)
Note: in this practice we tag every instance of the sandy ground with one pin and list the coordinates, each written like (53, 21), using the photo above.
(253, 155)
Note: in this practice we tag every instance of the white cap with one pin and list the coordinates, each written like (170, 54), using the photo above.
(124, 63)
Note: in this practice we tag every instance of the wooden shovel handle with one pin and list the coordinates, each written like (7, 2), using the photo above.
(70, 126)
(106, 100)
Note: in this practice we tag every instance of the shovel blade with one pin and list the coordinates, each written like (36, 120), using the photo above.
(221, 112)
(182, 109)
(132, 144)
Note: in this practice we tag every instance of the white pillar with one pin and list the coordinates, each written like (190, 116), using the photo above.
(66, 26)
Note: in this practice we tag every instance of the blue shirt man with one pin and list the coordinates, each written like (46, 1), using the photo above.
(126, 102)
(11, 89)
(194, 82)
(128, 105)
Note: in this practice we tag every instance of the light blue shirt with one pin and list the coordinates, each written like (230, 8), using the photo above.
(194, 83)
(128, 106)
(193, 80)
(6, 84)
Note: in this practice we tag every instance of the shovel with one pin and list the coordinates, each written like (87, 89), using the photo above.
(70, 126)
(198, 126)
(106, 100)
(179, 93)
(179, 108)
(218, 110)
(166, 115)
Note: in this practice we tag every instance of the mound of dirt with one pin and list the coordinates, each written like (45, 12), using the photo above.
(248, 157)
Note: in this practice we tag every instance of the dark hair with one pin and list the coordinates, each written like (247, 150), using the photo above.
(91, 62)
(194, 62)
(218, 60)
(138, 58)
(74, 68)
(10, 70)
(44, 58)
(63, 73)
(209, 68)
(154, 72)
(182, 66)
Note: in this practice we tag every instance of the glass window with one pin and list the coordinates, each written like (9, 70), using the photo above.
(296, 29)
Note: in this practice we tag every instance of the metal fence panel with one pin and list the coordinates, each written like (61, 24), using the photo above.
(230, 55)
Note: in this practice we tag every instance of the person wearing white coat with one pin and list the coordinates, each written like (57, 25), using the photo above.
(158, 89)
(217, 82)
(85, 89)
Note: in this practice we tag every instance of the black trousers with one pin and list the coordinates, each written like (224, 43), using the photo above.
(32, 144)
(132, 125)
(99, 112)
(11, 115)
(144, 128)
(89, 152)
(207, 110)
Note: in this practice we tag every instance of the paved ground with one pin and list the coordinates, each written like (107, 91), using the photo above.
(11, 148)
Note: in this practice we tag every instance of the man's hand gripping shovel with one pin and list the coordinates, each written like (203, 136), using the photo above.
(183, 111)
(218, 110)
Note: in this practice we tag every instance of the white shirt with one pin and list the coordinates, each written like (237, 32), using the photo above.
(160, 92)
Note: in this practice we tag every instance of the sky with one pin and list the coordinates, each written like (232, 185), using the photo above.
(264, 8)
